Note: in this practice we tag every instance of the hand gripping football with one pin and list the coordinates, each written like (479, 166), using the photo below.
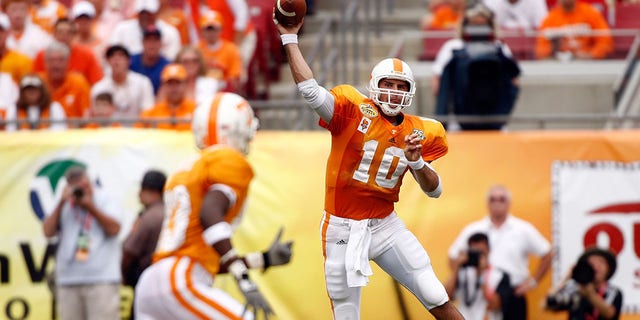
(290, 12)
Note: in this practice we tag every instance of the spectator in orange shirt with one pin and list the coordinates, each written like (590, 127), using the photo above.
(69, 88)
(81, 59)
(103, 109)
(45, 13)
(222, 57)
(445, 15)
(175, 106)
(176, 18)
(35, 105)
(568, 31)
(12, 62)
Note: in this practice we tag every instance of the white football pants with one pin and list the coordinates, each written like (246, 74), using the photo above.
(393, 247)
(180, 288)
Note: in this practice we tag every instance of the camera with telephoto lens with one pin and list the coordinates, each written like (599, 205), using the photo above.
(473, 258)
(583, 272)
(78, 193)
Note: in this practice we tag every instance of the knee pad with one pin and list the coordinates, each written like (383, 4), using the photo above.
(336, 279)
(344, 310)
(431, 291)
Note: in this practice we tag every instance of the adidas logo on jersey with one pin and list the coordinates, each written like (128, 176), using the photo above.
(341, 242)
(392, 140)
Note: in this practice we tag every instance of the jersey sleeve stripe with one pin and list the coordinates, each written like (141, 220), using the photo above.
(227, 191)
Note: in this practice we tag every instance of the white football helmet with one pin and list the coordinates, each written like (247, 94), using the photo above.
(391, 68)
(226, 119)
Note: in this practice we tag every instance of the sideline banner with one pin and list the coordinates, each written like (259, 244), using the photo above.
(598, 204)
(288, 190)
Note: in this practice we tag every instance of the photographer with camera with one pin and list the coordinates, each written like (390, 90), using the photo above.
(478, 287)
(586, 292)
(87, 272)
(513, 242)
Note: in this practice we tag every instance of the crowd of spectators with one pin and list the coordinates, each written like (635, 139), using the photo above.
(564, 29)
(97, 61)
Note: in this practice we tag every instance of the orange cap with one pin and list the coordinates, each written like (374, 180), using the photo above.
(173, 71)
(211, 19)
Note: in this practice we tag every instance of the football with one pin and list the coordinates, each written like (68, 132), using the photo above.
(290, 12)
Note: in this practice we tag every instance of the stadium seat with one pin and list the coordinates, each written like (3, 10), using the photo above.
(521, 45)
(431, 45)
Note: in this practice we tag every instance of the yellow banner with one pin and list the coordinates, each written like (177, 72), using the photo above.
(287, 191)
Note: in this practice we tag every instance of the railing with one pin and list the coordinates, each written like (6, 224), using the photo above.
(342, 41)
(533, 121)
(521, 43)
(627, 87)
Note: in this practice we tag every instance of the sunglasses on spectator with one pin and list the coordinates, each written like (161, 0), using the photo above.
(498, 199)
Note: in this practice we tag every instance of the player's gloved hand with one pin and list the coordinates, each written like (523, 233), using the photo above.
(255, 301)
(279, 253)
(254, 298)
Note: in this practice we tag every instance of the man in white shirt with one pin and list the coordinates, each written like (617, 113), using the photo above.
(518, 14)
(25, 37)
(129, 32)
(512, 242)
(132, 92)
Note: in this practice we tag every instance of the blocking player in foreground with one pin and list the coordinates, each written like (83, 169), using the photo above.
(373, 144)
(201, 202)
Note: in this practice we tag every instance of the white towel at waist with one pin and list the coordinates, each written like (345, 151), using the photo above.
(357, 255)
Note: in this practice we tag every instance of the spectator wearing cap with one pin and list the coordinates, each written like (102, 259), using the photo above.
(100, 26)
(140, 244)
(81, 59)
(68, 88)
(150, 61)
(34, 108)
(586, 292)
(132, 92)
(45, 13)
(83, 16)
(12, 61)
(222, 57)
(130, 33)
(25, 36)
(234, 13)
(175, 110)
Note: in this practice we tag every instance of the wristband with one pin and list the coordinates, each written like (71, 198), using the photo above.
(533, 283)
(238, 269)
(219, 231)
(255, 260)
(418, 164)
(288, 38)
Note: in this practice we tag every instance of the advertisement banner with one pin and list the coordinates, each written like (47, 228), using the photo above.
(597, 203)
(288, 191)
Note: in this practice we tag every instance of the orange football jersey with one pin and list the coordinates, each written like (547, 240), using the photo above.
(367, 163)
(181, 233)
